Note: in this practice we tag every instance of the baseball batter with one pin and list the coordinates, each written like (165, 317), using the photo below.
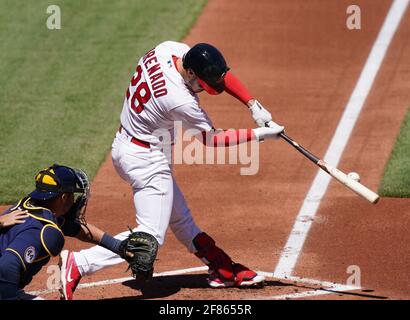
(164, 90)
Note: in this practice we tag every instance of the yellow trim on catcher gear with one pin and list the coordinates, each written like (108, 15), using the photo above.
(42, 239)
(16, 206)
(28, 206)
(18, 255)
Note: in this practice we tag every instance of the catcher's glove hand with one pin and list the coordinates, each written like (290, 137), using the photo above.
(140, 250)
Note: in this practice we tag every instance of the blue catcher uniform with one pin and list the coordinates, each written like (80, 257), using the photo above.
(25, 248)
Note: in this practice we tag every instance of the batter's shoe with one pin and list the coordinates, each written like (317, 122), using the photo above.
(215, 280)
(219, 263)
(70, 276)
(244, 277)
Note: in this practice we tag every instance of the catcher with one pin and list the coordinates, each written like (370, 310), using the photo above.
(33, 230)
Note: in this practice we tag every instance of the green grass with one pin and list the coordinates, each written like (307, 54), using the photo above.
(61, 91)
(396, 179)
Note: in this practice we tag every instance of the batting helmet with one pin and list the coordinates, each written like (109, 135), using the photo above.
(209, 66)
(56, 180)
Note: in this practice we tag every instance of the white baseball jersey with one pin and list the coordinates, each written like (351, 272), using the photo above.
(157, 96)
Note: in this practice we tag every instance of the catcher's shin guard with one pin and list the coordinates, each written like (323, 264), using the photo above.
(216, 259)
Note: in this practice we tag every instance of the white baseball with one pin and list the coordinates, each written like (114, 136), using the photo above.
(354, 175)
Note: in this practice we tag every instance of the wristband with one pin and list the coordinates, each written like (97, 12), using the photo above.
(110, 243)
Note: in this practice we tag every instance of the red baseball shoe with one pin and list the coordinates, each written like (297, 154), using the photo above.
(216, 281)
(70, 276)
(244, 277)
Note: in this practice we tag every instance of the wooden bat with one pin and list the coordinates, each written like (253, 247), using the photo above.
(340, 176)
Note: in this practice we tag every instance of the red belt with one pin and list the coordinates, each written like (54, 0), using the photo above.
(136, 141)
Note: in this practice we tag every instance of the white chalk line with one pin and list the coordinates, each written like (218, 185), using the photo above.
(299, 295)
(322, 284)
(120, 280)
(325, 288)
(303, 223)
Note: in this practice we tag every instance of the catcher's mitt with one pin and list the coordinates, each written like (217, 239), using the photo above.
(140, 250)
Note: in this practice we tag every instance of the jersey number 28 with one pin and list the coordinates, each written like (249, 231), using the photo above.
(141, 94)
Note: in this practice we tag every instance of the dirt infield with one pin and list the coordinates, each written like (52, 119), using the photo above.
(300, 60)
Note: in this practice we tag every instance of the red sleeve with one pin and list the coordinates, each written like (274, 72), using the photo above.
(236, 89)
(226, 138)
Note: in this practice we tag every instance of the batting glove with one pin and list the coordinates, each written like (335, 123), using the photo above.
(259, 114)
(271, 132)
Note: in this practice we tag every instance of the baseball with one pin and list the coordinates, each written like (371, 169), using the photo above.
(354, 175)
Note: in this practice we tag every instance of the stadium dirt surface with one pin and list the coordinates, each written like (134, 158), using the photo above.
(299, 59)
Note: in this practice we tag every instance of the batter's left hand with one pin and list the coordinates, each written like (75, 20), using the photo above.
(259, 113)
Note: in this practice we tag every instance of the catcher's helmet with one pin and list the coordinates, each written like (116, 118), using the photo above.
(56, 180)
(209, 65)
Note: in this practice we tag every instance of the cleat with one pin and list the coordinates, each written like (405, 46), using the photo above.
(70, 276)
(223, 273)
(215, 281)
(244, 277)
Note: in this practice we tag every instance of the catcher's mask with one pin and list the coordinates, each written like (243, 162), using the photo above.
(209, 66)
(57, 179)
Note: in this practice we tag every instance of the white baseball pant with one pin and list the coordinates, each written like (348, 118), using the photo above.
(158, 201)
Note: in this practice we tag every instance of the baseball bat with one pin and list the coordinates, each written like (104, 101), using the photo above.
(340, 176)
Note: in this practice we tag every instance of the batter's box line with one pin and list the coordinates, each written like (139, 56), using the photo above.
(120, 280)
(323, 284)
(325, 288)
